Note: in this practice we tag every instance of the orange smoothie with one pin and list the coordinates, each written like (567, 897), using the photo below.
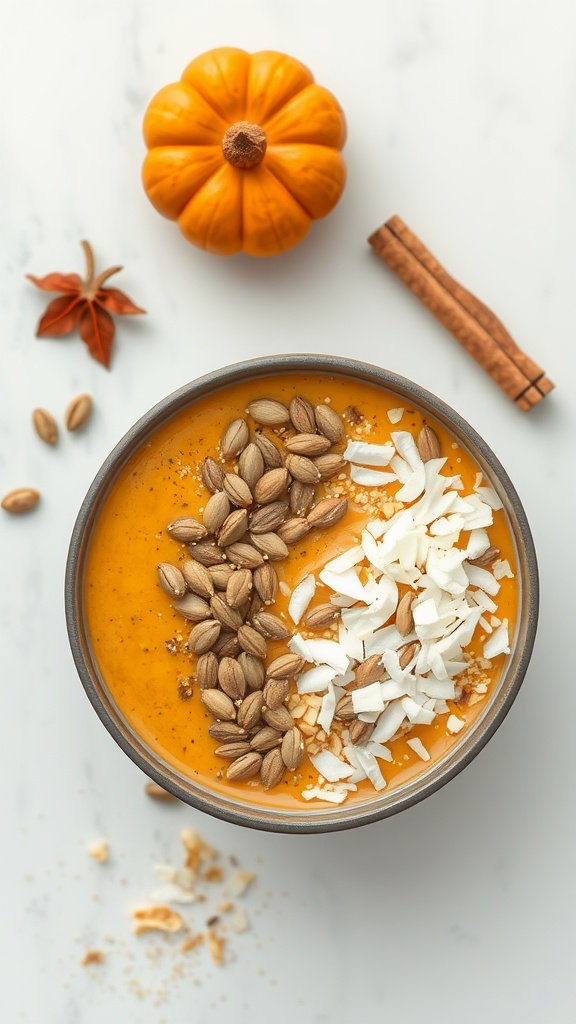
(141, 641)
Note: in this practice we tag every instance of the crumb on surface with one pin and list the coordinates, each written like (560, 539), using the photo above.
(100, 851)
(93, 956)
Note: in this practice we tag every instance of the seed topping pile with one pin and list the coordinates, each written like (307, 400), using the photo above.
(387, 649)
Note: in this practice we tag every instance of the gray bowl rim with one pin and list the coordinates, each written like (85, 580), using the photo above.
(232, 811)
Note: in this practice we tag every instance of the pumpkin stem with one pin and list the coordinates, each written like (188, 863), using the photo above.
(244, 144)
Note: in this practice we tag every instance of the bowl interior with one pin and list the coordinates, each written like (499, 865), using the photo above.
(388, 801)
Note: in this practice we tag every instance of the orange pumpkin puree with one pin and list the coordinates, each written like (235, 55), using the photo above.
(138, 639)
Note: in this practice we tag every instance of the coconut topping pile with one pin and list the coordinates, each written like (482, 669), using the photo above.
(430, 547)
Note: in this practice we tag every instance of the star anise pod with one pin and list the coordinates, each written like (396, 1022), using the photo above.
(85, 304)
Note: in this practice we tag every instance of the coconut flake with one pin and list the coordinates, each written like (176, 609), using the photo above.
(316, 679)
(328, 652)
(395, 415)
(414, 486)
(416, 713)
(371, 767)
(418, 748)
(347, 560)
(479, 577)
(345, 583)
(326, 716)
(454, 724)
(478, 543)
(389, 722)
(331, 796)
(447, 526)
(331, 767)
(351, 644)
(367, 698)
(501, 568)
(498, 643)
(379, 750)
(371, 477)
(366, 454)
(301, 597)
(298, 645)
(479, 515)
(488, 494)
(406, 447)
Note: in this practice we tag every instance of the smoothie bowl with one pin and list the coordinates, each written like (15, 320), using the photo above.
(301, 593)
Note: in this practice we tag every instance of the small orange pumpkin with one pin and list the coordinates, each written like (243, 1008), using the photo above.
(244, 152)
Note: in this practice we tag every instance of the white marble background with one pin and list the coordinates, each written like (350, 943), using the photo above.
(461, 118)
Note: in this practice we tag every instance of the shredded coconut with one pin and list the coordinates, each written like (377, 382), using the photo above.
(428, 543)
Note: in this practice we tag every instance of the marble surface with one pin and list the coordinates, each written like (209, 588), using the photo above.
(461, 119)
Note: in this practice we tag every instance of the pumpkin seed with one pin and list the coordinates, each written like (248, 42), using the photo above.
(231, 678)
(327, 512)
(212, 474)
(272, 485)
(203, 635)
(207, 671)
(198, 579)
(239, 588)
(215, 512)
(265, 582)
(292, 748)
(234, 438)
(272, 768)
(251, 641)
(268, 412)
(428, 444)
(275, 692)
(302, 415)
(250, 710)
(329, 423)
(308, 444)
(237, 490)
(229, 617)
(251, 465)
(186, 529)
(233, 528)
(302, 469)
(218, 704)
(207, 552)
(265, 739)
(301, 498)
(294, 530)
(45, 426)
(268, 517)
(270, 452)
(170, 578)
(244, 767)
(270, 545)
(253, 669)
(192, 607)
(23, 499)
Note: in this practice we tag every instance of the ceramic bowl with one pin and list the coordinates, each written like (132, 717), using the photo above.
(391, 800)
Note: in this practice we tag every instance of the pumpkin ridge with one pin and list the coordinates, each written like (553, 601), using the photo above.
(291, 194)
(160, 183)
(208, 100)
(224, 117)
(281, 103)
(275, 62)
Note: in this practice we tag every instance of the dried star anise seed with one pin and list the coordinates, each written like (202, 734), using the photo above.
(85, 304)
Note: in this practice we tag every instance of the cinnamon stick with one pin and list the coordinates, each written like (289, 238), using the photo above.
(471, 323)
